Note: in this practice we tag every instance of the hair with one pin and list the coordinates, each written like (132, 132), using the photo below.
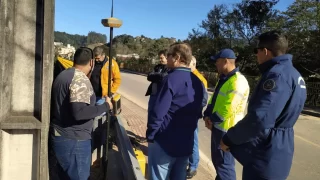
(164, 52)
(98, 51)
(275, 41)
(183, 50)
(82, 56)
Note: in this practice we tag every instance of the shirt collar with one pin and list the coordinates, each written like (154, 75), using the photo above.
(286, 58)
(231, 73)
(182, 69)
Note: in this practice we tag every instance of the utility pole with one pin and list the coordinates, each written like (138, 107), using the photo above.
(111, 23)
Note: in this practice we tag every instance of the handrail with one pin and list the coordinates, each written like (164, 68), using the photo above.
(130, 165)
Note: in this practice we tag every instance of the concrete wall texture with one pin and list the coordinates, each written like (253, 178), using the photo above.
(26, 67)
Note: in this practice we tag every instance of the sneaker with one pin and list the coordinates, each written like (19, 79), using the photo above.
(191, 174)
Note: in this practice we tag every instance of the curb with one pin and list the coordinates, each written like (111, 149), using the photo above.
(311, 113)
(133, 72)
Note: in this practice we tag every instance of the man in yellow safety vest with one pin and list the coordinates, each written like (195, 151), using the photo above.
(225, 109)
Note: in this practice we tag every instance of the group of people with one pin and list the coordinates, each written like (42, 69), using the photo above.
(258, 132)
(259, 135)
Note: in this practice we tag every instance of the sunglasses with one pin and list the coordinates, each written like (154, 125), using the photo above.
(255, 50)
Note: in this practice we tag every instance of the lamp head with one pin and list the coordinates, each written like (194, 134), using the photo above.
(111, 22)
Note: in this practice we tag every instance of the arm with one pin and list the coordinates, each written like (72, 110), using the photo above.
(80, 96)
(209, 108)
(205, 96)
(116, 77)
(82, 111)
(263, 113)
(156, 76)
(204, 100)
(158, 73)
(158, 112)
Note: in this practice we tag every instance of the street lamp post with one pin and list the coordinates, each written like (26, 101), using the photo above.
(111, 23)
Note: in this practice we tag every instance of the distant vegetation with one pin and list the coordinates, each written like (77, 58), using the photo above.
(79, 40)
(233, 26)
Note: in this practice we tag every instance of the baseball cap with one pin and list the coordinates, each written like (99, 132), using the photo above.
(224, 53)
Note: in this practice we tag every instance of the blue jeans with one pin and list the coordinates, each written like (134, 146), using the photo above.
(223, 162)
(161, 166)
(74, 156)
(194, 158)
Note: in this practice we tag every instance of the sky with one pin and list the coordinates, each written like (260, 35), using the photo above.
(151, 18)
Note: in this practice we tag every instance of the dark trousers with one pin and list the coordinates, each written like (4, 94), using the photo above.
(74, 156)
(223, 162)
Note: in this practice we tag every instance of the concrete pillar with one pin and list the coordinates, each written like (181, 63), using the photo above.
(26, 67)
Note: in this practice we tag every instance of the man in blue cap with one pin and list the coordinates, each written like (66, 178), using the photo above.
(263, 142)
(225, 108)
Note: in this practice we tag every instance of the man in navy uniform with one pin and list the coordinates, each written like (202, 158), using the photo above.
(263, 142)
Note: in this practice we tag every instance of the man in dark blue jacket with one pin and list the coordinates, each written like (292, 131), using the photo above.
(263, 142)
(173, 117)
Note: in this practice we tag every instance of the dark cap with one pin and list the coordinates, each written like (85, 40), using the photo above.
(224, 53)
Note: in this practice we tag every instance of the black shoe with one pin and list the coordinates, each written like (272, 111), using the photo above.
(190, 173)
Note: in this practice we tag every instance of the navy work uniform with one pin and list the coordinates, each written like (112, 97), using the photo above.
(263, 142)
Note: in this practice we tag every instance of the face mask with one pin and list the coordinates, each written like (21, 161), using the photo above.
(91, 70)
(99, 62)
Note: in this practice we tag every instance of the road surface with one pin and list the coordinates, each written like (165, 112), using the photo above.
(306, 163)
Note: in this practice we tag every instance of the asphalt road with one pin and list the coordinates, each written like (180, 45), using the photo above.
(306, 163)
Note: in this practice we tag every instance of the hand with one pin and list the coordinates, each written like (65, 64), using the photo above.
(208, 123)
(206, 118)
(224, 147)
(108, 100)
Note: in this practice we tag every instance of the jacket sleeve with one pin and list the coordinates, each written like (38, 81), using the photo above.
(156, 76)
(205, 96)
(82, 111)
(116, 77)
(208, 111)
(271, 97)
(157, 113)
(80, 99)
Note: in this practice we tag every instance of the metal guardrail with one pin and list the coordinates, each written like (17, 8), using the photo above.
(130, 165)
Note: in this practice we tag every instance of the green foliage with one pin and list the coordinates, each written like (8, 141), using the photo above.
(94, 37)
(79, 40)
(145, 47)
(74, 40)
(239, 26)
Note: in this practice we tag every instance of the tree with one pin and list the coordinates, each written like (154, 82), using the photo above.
(94, 38)
(303, 27)
(74, 40)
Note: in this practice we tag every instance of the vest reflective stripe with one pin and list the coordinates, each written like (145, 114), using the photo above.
(231, 101)
(236, 93)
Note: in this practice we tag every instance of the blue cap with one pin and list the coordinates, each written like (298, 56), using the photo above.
(224, 53)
